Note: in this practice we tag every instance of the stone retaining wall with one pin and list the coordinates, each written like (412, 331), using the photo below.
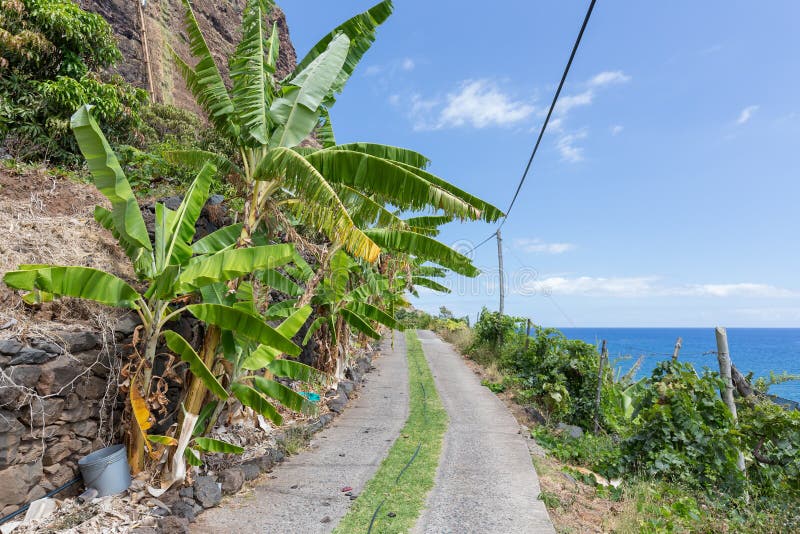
(55, 407)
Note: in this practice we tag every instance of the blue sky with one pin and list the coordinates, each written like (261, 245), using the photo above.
(666, 192)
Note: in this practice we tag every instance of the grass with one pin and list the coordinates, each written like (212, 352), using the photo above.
(426, 424)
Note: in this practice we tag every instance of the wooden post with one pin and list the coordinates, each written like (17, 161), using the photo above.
(500, 264)
(146, 51)
(528, 335)
(724, 358)
(678, 345)
(603, 358)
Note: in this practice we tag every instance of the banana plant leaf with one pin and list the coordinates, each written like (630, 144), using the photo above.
(78, 282)
(230, 264)
(255, 400)
(181, 347)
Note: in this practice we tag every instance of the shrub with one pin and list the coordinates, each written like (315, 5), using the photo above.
(51, 53)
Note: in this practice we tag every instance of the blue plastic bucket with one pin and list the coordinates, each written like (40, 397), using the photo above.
(106, 470)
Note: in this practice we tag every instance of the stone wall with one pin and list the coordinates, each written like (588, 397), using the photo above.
(55, 407)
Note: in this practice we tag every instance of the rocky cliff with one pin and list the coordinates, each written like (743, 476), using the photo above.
(164, 27)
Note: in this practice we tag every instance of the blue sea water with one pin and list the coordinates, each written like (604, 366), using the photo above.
(759, 350)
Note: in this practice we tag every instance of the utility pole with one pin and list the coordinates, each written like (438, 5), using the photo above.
(146, 50)
(500, 264)
(528, 335)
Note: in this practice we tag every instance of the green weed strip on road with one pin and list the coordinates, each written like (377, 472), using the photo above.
(393, 499)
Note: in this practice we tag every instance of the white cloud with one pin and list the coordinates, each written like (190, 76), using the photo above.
(567, 148)
(373, 70)
(567, 103)
(537, 245)
(479, 103)
(408, 64)
(617, 129)
(649, 286)
(394, 99)
(746, 114)
(609, 77)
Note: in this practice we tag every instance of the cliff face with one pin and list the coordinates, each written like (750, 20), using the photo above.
(220, 22)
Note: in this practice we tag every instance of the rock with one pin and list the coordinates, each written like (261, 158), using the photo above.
(98, 362)
(207, 492)
(337, 404)
(326, 418)
(572, 430)
(184, 510)
(29, 355)
(18, 481)
(232, 479)
(85, 410)
(347, 387)
(535, 415)
(47, 346)
(174, 525)
(62, 475)
(92, 387)
(187, 492)
(60, 450)
(79, 341)
(10, 347)
(58, 376)
(43, 412)
(87, 429)
(265, 462)
(314, 426)
(11, 431)
(251, 470)
(25, 375)
(326, 519)
(127, 325)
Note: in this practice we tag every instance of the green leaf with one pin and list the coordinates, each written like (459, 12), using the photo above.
(244, 324)
(230, 264)
(276, 280)
(196, 159)
(162, 440)
(294, 370)
(318, 322)
(181, 347)
(204, 80)
(216, 445)
(297, 111)
(339, 275)
(112, 183)
(325, 133)
(430, 284)
(281, 310)
(264, 354)
(192, 457)
(183, 225)
(361, 32)
(218, 240)
(431, 221)
(203, 417)
(423, 247)
(399, 184)
(286, 396)
(358, 322)
(76, 282)
(320, 205)
(373, 313)
(387, 152)
(252, 90)
(255, 400)
(141, 258)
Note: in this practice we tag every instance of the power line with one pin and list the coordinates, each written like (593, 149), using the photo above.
(550, 111)
(544, 125)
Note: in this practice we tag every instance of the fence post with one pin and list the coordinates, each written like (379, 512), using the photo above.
(603, 358)
(724, 358)
(527, 335)
(678, 345)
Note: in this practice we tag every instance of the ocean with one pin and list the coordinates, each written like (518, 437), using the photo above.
(759, 350)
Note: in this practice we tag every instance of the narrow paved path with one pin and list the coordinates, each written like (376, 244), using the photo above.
(307, 488)
(485, 482)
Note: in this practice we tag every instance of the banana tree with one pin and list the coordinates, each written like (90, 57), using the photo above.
(170, 269)
(268, 119)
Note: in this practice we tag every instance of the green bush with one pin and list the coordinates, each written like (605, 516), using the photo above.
(51, 54)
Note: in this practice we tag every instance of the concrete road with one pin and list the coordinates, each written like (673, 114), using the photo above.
(305, 497)
(485, 482)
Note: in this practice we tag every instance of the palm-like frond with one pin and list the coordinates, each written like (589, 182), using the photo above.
(297, 111)
(365, 211)
(251, 93)
(393, 153)
(430, 284)
(204, 80)
(320, 205)
(361, 32)
(195, 159)
(422, 247)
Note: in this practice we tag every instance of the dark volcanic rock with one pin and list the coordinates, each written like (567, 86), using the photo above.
(232, 479)
(206, 491)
